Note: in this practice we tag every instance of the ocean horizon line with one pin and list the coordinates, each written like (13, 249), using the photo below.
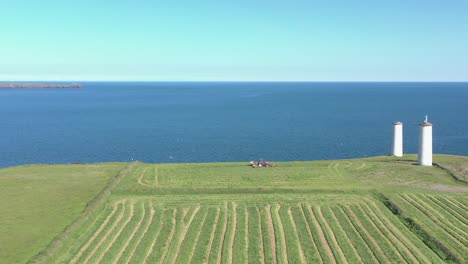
(215, 81)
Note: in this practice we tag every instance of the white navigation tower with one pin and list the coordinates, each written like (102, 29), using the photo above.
(397, 146)
(425, 143)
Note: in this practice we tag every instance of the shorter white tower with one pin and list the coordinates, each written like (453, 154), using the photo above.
(397, 146)
(425, 143)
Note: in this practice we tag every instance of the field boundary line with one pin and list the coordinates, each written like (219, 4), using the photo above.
(51, 249)
(212, 235)
(321, 235)
(171, 235)
(112, 227)
(119, 232)
(183, 233)
(223, 235)
(271, 233)
(333, 237)
(150, 220)
(299, 246)
(371, 238)
(309, 232)
(346, 235)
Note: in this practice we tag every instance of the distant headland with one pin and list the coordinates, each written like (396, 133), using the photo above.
(22, 85)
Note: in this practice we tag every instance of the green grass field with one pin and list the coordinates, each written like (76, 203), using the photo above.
(372, 210)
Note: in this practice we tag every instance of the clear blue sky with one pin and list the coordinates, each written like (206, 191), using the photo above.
(327, 40)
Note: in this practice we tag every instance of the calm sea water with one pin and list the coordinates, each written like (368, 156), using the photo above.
(201, 122)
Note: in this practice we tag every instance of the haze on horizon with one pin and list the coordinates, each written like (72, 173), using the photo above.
(355, 40)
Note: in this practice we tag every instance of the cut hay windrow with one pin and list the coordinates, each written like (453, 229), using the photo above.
(220, 236)
(385, 243)
(255, 243)
(240, 245)
(290, 238)
(323, 245)
(303, 220)
(98, 232)
(444, 227)
(406, 253)
(152, 237)
(345, 242)
(443, 216)
(360, 245)
(260, 235)
(131, 236)
(308, 246)
(175, 217)
(462, 204)
(451, 212)
(187, 247)
(204, 245)
(92, 225)
(331, 236)
(117, 234)
(295, 232)
(106, 234)
(456, 207)
(270, 230)
(142, 233)
(414, 247)
(281, 248)
(183, 232)
(365, 234)
(227, 250)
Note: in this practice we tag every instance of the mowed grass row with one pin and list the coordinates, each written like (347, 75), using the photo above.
(389, 173)
(144, 231)
(443, 217)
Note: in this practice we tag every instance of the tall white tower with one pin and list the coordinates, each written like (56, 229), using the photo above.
(397, 146)
(425, 143)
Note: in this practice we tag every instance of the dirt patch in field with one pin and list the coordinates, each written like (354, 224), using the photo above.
(447, 188)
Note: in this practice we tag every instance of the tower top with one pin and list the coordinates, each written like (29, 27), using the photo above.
(397, 123)
(425, 122)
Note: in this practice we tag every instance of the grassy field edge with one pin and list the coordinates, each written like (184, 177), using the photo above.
(89, 211)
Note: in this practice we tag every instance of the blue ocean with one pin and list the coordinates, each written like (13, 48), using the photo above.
(225, 121)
